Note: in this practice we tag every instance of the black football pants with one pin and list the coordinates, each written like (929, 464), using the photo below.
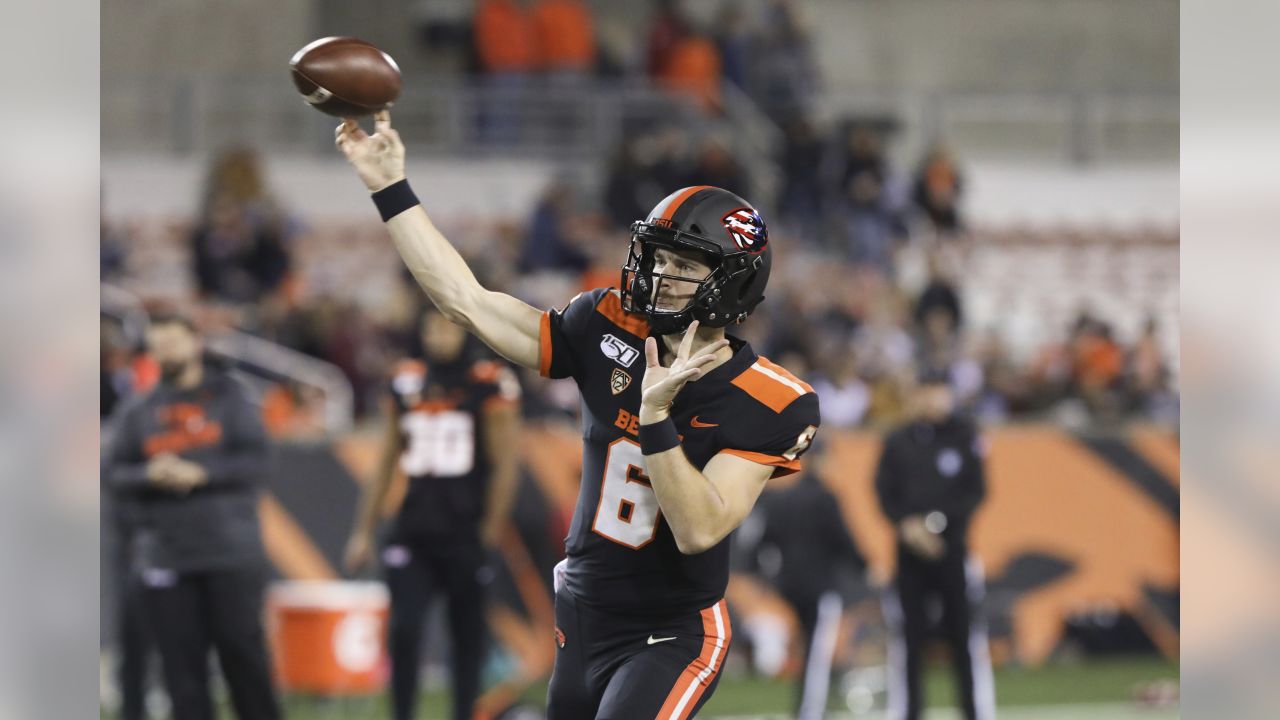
(134, 643)
(955, 582)
(610, 667)
(417, 572)
(191, 613)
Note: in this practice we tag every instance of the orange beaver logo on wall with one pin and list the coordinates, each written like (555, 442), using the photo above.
(1052, 506)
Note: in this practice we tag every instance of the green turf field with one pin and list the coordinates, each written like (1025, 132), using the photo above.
(1097, 690)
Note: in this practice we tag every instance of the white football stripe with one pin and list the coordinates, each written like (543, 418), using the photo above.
(780, 378)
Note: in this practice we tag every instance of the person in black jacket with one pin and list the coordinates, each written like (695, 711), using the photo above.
(808, 554)
(930, 480)
(186, 466)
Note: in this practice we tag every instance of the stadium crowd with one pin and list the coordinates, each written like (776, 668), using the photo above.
(847, 311)
(872, 286)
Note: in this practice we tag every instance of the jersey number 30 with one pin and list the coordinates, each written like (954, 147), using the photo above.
(628, 509)
(439, 443)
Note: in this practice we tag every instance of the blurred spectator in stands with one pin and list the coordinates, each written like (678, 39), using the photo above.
(886, 352)
(566, 45)
(667, 28)
(800, 197)
(565, 37)
(941, 346)
(866, 218)
(112, 252)
(444, 30)
(670, 158)
(1147, 375)
(735, 42)
(241, 241)
(937, 189)
(115, 381)
(784, 73)
(782, 334)
(1097, 363)
(692, 70)
(716, 166)
(507, 52)
(1005, 388)
(548, 246)
(630, 189)
(333, 329)
(940, 296)
(843, 394)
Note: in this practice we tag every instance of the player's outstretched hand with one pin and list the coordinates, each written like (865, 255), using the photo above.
(378, 158)
(661, 384)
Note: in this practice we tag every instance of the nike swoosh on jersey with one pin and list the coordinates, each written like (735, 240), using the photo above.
(654, 641)
(696, 423)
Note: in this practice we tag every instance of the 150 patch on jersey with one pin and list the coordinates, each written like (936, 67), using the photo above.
(618, 351)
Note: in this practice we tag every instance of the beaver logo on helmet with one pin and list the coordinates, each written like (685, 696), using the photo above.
(747, 229)
(720, 229)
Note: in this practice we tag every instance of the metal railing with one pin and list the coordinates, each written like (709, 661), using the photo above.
(568, 119)
(262, 359)
(1077, 128)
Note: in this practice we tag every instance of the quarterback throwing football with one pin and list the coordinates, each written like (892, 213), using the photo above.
(671, 463)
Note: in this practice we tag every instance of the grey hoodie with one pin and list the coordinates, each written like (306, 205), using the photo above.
(215, 526)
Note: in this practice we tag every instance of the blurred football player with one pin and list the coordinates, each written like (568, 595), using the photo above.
(672, 461)
(454, 430)
(930, 479)
(807, 553)
(187, 463)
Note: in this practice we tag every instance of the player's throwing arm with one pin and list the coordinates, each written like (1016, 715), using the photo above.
(504, 323)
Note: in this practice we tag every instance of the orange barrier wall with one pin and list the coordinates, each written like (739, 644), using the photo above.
(1047, 493)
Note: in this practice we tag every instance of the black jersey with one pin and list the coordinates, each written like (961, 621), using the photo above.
(441, 411)
(622, 555)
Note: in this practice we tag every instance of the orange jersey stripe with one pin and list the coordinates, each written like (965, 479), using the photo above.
(544, 338)
(611, 307)
(785, 466)
(770, 387)
(698, 675)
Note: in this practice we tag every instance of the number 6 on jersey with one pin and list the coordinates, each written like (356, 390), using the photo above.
(628, 510)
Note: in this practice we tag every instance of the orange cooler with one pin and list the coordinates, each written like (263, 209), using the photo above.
(329, 637)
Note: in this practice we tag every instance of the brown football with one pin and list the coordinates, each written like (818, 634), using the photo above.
(345, 77)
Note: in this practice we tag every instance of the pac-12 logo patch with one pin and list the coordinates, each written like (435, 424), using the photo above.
(618, 351)
(619, 381)
(747, 229)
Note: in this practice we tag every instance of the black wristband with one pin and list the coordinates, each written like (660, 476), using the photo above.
(658, 437)
(395, 199)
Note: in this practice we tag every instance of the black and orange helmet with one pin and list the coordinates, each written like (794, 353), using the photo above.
(719, 226)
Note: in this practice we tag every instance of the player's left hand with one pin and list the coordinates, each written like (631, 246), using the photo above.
(661, 384)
